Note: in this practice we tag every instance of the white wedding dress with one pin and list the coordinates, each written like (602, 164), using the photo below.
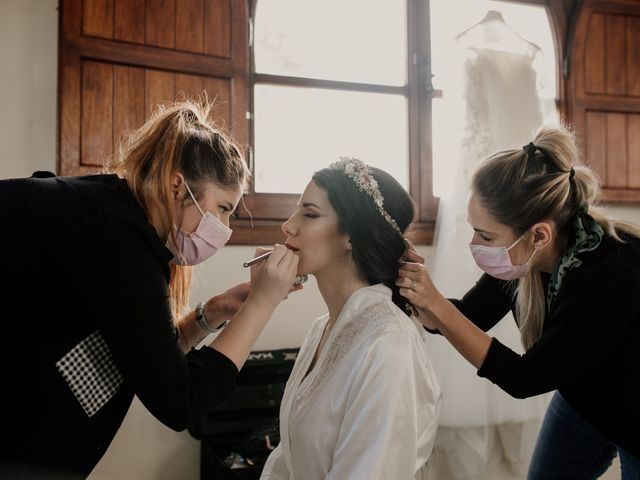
(503, 109)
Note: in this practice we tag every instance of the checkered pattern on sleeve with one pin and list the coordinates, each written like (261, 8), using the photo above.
(91, 373)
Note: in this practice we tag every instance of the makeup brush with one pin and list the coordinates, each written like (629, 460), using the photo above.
(300, 279)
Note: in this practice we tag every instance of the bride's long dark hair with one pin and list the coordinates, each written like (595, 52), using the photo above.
(377, 247)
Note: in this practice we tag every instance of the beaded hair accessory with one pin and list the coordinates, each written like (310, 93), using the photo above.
(360, 173)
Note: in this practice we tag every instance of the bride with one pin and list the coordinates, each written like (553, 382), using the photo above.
(362, 401)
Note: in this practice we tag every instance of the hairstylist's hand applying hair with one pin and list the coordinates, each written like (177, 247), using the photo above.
(416, 285)
(435, 312)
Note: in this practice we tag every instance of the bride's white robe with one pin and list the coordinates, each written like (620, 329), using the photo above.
(369, 407)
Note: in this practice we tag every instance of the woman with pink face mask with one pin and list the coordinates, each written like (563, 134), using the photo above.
(570, 275)
(96, 297)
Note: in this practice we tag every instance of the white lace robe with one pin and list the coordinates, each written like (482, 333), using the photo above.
(369, 407)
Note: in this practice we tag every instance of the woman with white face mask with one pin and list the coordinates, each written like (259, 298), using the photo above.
(96, 305)
(571, 276)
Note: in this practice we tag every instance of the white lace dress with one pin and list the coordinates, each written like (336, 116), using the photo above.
(369, 407)
(503, 109)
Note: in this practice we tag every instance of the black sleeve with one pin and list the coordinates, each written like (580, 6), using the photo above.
(590, 319)
(128, 288)
(487, 302)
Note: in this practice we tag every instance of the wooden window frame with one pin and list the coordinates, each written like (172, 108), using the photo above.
(77, 46)
(260, 222)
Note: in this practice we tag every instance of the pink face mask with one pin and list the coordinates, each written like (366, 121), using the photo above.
(195, 247)
(497, 262)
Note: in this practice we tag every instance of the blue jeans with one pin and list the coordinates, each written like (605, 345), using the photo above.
(569, 448)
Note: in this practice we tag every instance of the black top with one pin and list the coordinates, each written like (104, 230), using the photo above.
(589, 347)
(87, 325)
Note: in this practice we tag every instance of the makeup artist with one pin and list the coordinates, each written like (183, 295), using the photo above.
(95, 300)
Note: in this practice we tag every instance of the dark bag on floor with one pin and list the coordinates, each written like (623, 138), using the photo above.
(238, 434)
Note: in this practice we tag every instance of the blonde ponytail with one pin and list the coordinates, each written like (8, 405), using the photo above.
(545, 182)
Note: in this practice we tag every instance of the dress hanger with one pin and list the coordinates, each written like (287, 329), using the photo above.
(494, 18)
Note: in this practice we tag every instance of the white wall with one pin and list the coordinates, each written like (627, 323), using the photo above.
(143, 448)
(28, 80)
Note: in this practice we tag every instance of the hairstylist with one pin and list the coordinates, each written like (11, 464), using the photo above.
(571, 275)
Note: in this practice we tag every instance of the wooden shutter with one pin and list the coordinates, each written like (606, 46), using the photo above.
(604, 94)
(119, 59)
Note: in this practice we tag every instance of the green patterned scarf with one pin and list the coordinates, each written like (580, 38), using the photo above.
(587, 236)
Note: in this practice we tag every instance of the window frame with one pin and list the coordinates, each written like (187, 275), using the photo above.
(231, 61)
(260, 215)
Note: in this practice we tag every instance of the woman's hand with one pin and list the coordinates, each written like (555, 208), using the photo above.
(436, 313)
(416, 286)
(225, 305)
(414, 281)
(272, 279)
(271, 282)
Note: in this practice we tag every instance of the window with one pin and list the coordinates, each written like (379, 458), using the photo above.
(300, 82)
(300, 126)
(333, 79)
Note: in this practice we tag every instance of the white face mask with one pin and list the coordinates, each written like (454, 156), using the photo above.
(195, 247)
(496, 261)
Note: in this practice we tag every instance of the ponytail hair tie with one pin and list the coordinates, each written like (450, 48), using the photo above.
(572, 173)
(530, 148)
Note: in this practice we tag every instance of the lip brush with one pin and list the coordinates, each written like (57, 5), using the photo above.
(300, 279)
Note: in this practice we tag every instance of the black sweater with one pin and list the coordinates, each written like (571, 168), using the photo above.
(589, 347)
(81, 263)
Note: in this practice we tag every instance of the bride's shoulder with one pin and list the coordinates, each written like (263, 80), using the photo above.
(383, 317)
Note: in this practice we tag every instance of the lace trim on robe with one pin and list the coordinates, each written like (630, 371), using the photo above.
(365, 323)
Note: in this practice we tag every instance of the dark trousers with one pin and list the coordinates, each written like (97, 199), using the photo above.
(569, 448)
